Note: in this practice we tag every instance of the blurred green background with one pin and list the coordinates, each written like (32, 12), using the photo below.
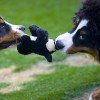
(55, 16)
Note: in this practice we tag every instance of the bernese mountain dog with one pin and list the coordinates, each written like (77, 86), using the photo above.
(85, 36)
(9, 34)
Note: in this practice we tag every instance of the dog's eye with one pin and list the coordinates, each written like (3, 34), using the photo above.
(82, 33)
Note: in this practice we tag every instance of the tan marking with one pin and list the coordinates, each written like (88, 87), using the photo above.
(82, 32)
(73, 49)
(96, 95)
(10, 37)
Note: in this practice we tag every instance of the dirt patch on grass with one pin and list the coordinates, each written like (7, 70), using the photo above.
(80, 60)
(16, 79)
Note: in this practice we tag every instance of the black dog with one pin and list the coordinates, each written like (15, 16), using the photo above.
(85, 36)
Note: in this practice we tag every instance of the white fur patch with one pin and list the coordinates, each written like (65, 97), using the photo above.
(16, 28)
(67, 38)
(81, 24)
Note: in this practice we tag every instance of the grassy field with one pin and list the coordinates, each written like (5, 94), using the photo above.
(65, 82)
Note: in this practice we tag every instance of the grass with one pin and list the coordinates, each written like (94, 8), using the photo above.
(4, 84)
(56, 17)
(64, 84)
(20, 61)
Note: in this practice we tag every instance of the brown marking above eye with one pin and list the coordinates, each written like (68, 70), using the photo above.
(82, 33)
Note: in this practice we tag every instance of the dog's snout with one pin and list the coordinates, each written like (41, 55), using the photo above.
(59, 45)
(22, 28)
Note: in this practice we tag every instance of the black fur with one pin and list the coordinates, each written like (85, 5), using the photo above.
(91, 12)
(27, 46)
(4, 29)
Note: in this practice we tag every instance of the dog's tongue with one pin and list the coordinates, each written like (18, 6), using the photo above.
(48, 57)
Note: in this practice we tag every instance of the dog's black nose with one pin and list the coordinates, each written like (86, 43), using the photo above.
(59, 45)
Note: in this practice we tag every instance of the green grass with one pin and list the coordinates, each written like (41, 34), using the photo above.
(63, 84)
(56, 17)
(13, 58)
(4, 84)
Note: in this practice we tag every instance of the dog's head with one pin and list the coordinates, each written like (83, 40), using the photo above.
(9, 34)
(85, 36)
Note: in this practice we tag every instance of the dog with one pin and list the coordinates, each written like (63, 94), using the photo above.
(95, 95)
(85, 36)
(10, 34)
